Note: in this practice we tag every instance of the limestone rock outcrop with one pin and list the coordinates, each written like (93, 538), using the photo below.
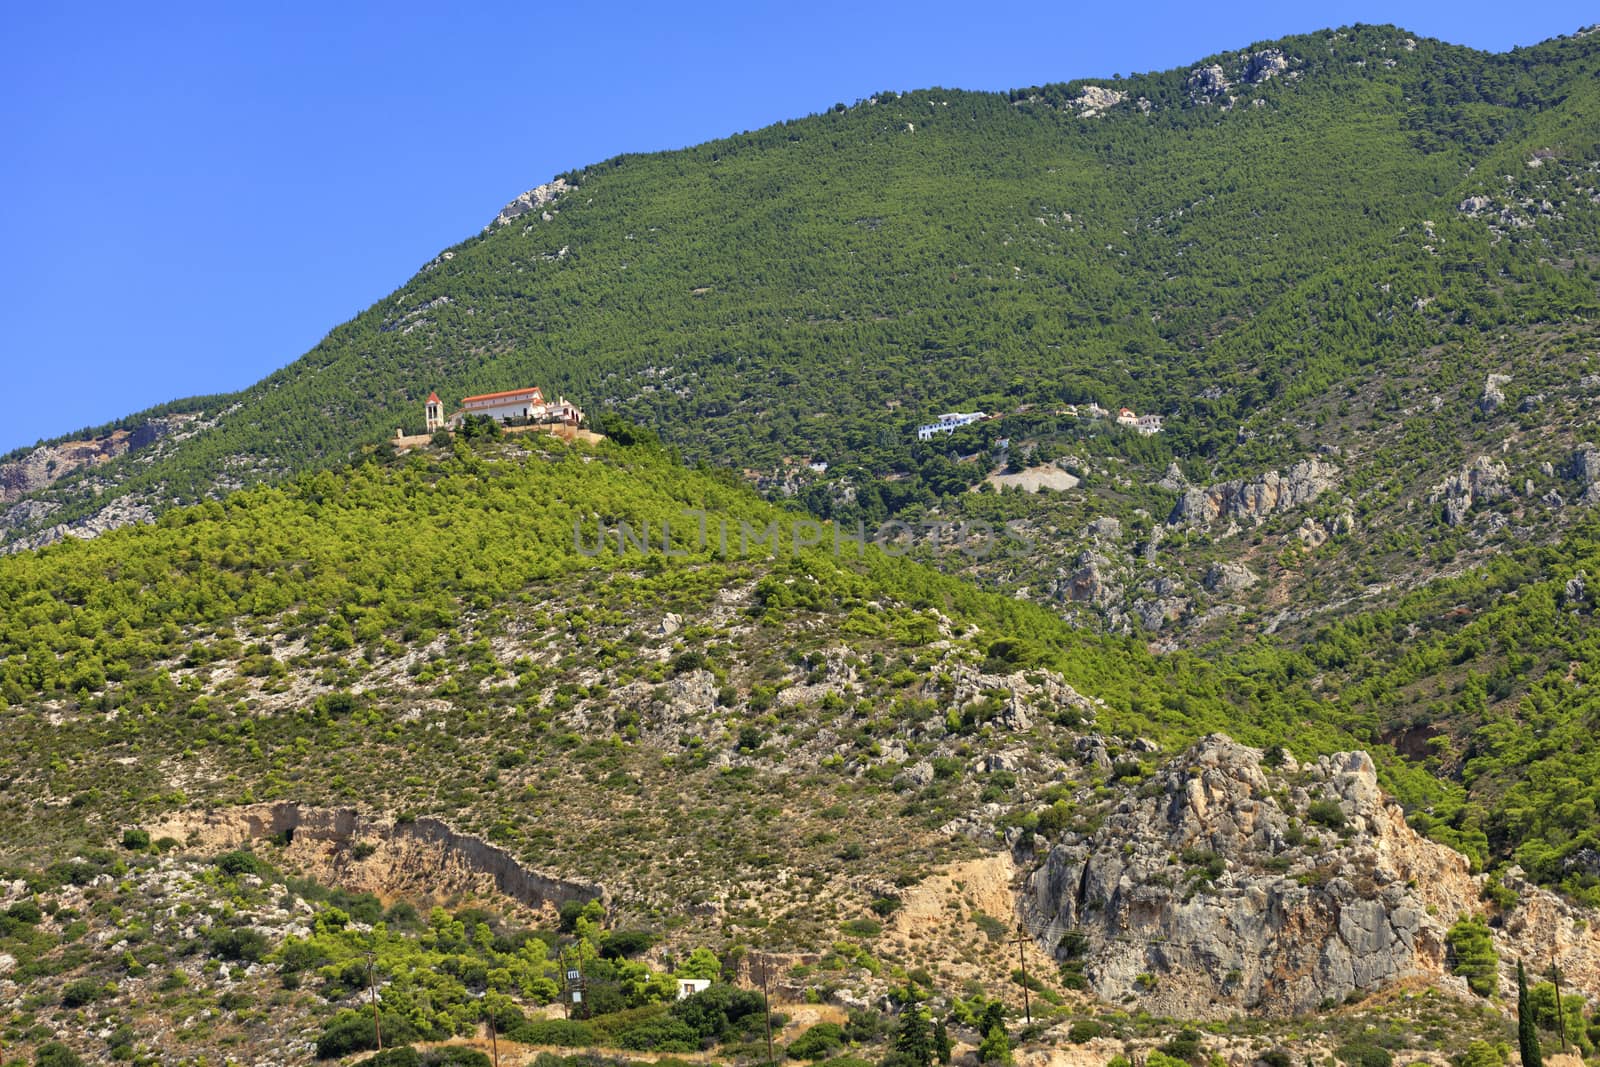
(1093, 100)
(1481, 482)
(1223, 884)
(1493, 397)
(1254, 500)
(1265, 65)
(1229, 577)
(533, 200)
(1207, 83)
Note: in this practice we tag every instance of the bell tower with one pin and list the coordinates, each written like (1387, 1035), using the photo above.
(433, 413)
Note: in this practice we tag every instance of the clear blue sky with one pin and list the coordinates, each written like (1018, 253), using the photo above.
(192, 196)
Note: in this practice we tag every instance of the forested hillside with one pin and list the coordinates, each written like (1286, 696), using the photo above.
(1223, 249)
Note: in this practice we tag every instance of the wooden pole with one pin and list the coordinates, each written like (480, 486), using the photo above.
(766, 1005)
(494, 1042)
(372, 984)
(1022, 955)
(1561, 1009)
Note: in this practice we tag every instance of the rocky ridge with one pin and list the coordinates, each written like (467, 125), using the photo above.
(534, 199)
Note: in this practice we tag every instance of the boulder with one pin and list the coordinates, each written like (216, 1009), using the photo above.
(1229, 577)
(1493, 397)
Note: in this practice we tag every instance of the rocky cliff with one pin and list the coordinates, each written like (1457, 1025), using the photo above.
(1253, 500)
(1224, 885)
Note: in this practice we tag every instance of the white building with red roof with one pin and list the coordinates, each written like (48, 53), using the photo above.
(511, 407)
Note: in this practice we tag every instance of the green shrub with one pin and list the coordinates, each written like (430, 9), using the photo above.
(624, 943)
(136, 840)
(817, 1043)
(662, 1034)
(237, 943)
(563, 1033)
(1084, 1030)
(454, 1056)
(83, 991)
(1186, 1047)
(239, 862)
(1363, 1054)
(1326, 813)
(55, 1054)
(712, 1012)
(352, 1031)
(404, 1056)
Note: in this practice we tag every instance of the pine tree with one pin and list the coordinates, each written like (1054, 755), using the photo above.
(1527, 1031)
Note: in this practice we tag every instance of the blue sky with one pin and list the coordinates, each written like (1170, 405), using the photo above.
(192, 196)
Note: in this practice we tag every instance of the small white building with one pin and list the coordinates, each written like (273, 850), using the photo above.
(433, 413)
(688, 987)
(1095, 411)
(948, 423)
(1148, 424)
(1126, 417)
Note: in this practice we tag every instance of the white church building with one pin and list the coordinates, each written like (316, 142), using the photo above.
(524, 406)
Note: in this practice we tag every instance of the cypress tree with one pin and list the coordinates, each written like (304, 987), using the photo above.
(1527, 1032)
(913, 1039)
(941, 1042)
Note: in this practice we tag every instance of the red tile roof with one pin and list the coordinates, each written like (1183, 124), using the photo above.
(508, 394)
(433, 398)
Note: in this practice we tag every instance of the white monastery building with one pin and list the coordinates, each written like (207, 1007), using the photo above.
(948, 423)
(511, 406)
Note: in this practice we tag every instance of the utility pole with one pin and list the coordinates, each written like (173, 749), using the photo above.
(372, 984)
(494, 1042)
(766, 1005)
(1561, 1009)
(1022, 955)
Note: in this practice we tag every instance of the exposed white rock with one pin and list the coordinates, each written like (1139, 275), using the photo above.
(532, 200)
(1205, 84)
(1094, 100)
(1265, 65)
(1229, 577)
(1254, 500)
(1493, 395)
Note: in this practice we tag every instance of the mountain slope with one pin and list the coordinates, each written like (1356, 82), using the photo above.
(820, 286)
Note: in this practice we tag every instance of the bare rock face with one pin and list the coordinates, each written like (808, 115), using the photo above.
(1264, 66)
(1092, 581)
(1222, 885)
(1493, 397)
(48, 464)
(1094, 100)
(421, 854)
(1206, 84)
(532, 200)
(1483, 481)
(1255, 500)
(1473, 206)
(1584, 468)
(1230, 577)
